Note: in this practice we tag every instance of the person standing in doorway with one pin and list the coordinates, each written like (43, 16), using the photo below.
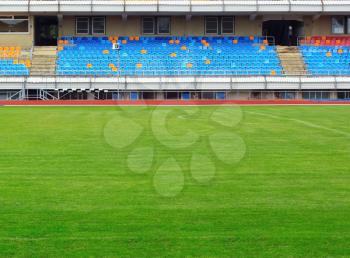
(290, 35)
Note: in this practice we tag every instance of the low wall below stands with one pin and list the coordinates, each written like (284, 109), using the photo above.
(164, 102)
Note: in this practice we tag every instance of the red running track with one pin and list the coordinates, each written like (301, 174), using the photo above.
(164, 102)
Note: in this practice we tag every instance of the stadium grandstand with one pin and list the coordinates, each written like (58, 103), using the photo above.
(183, 49)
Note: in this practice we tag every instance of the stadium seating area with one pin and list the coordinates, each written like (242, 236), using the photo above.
(326, 41)
(327, 55)
(10, 63)
(167, 56)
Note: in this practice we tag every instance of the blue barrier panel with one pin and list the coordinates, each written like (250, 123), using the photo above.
(134, 95)
(220, 95)
(185, 96)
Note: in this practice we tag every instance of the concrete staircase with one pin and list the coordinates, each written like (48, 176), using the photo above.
(44, 61)
(291, 60)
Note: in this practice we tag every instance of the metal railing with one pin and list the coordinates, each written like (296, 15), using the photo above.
(197, 74)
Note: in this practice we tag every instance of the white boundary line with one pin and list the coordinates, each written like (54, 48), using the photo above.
(302, 122)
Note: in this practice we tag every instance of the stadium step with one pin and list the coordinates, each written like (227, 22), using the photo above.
(44, 61)
(291, 60)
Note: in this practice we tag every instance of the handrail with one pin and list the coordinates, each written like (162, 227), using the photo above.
(228, 74)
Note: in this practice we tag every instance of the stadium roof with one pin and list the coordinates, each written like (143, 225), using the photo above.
(175, 6)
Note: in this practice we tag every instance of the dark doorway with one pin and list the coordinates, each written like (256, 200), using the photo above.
(46, 30)
(172, 95)
(148, 95)
(286, 33)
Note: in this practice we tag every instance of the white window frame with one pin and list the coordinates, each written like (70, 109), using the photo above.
(154, 20)
(12, 17)
(76, 25)
(233, 25)
(344, 25)
(157, 21)
(217, 25)
(92, 25)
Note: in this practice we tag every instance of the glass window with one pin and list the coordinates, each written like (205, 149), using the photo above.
(163, 25)
(82, 25)
(98, 25)
(227, 25)
(211, 25)
(338, 25)
(148, 25)
(14, 24)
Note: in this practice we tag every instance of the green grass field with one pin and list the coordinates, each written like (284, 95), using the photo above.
(265, 181)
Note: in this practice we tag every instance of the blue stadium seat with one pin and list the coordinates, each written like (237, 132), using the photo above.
(167, 56)
(327, 60)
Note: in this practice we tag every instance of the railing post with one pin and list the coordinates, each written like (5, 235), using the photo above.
(24, 87)
(290, 6)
